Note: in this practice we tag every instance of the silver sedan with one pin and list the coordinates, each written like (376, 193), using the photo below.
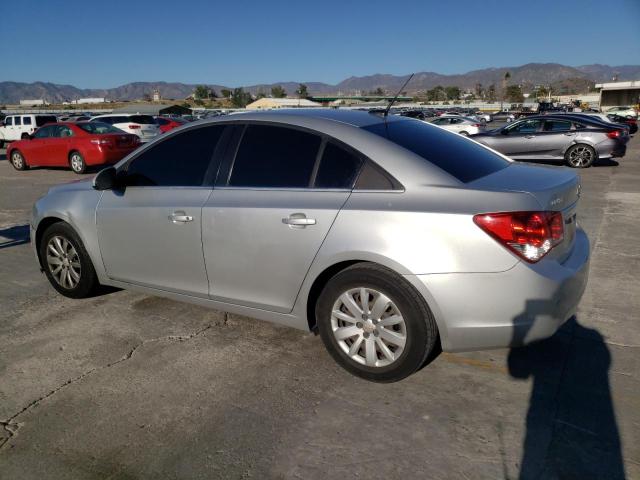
(386, 235)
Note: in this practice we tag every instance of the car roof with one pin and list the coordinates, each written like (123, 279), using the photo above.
(570, 116)
(356, 118)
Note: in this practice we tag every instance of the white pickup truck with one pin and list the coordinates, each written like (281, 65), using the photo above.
(17, 127)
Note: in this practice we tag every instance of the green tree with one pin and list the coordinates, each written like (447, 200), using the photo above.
(514, 94)
(452, 93)
(201, 92)
(278, 92)
(240, 98)
(226, 93)
(479, 92)
(436, 94)
(378, 92)
(302, 91)
(491, 93)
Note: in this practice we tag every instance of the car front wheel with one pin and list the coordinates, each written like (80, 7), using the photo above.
(18, 161)
(375, 324)
(66, 263)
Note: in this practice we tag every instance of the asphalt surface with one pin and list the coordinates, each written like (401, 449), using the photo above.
(128, 386)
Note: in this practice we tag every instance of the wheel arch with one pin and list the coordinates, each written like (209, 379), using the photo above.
(41, 228)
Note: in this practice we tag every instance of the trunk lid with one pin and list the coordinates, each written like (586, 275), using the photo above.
(555, 188)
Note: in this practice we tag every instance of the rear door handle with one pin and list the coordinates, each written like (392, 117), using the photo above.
(298, 220)
(569, 134)
(180, 217)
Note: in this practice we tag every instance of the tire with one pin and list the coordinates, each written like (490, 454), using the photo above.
(18, 161)
(77, 163)
(464, 134)
(1, 144)
(24, 136)
(66, 263)
(384, 349)
(580, 156)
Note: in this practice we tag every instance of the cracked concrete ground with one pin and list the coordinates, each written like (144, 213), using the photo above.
(127, 386)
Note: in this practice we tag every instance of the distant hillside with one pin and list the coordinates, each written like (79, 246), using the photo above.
(569, 79)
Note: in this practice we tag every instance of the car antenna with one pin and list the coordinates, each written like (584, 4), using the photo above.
(386, 112)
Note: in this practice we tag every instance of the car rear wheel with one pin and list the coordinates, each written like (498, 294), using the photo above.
(76, 162)
(375, 324)
(18, 161)
(66, 263)
(24, 136)
(466, 134)
(580, 156)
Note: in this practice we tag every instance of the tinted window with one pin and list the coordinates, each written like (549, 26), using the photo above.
(338, 168)
(556, 126)
(17, 120)
(162, 121)
(526, 126)
(373, 177)
(99, 127)
(45, 132)
(63, 131)
(459, 157)
(181, 160)
(8, 121)
(141, 119)
(26, 120)
(274, 157)
(42, 119)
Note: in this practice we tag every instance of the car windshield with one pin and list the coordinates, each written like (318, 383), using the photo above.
(99, 128)
(458, 156)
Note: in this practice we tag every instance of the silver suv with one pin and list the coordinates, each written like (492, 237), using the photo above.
(388, 236)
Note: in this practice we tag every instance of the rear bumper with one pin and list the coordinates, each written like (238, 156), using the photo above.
(529, 302)
(104, 156)
(611, 149)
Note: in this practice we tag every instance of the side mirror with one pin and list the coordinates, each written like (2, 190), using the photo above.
(106, 179)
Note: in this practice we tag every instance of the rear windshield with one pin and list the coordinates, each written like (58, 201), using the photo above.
(98, 127)
(42, 119)
(464, 160)
(142, 119)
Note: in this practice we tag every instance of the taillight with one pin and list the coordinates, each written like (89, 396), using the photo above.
(133, 127)
(614, 134)
(477, 125)
(101, 141)
(531, 235)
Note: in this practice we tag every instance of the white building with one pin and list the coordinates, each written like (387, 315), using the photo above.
(31, 103)
(89, 100)
(271, 103)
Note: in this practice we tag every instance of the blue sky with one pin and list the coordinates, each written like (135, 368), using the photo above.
(105, 44)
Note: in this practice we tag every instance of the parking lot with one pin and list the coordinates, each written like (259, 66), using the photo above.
(127, 386)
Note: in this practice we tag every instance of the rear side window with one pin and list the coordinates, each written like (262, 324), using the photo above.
(274, 157)
(556, 126)
(459, 157)
(18, 121)
(179, 161)
(26, 120)
(42, 119)
(338, 167)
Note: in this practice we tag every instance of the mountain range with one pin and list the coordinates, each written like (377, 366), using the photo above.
(528, 75)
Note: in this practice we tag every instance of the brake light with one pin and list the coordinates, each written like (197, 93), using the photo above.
(133, 127)
(531, 235)
(614, 134)
(101, 141)
(477, 125)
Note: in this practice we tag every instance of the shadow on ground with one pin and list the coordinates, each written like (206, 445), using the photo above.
(13, 236)
(571, 429)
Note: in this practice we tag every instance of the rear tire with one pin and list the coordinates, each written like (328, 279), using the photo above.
(24, 136)
(375, 324)
(464, 134)
(77, 163)
(66, 263)
(580, 156)
(18, 161)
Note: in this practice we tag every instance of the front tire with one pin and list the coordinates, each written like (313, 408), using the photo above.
(66, 262)
(77, 163)
(375, 324)
(18, 161)
(580, 156)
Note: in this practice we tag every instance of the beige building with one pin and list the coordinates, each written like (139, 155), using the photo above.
(271, 103)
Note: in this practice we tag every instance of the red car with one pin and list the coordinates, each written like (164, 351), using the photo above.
(74, 145)
(169, 123)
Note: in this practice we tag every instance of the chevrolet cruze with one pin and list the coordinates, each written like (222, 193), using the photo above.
(388, 236)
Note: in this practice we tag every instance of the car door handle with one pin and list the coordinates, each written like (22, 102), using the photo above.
(298, 220)
(569, 134)
(530, 136)
(180, 217)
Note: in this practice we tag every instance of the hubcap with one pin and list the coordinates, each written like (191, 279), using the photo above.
(17, 159)
(369, 327)
(63, 262)
(580, 156)
(76, 162)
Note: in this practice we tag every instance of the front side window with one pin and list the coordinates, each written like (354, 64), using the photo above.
(45, 132)
(179, 161)
(274, 157)
(8, 121)
(26, 120)
(64, 131)
(338, 167)
(526, 126)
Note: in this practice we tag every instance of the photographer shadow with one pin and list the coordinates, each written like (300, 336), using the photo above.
(571, 429)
